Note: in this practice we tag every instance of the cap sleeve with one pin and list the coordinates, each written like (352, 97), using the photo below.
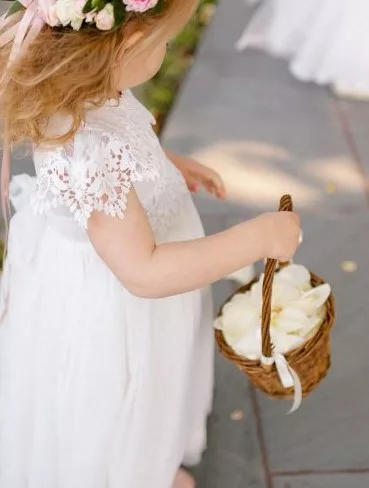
(95, 172)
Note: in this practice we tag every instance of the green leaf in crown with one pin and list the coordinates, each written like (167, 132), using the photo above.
(98, 5)
(159, 7)
(119, 12)
(14, 8)
(88, 7)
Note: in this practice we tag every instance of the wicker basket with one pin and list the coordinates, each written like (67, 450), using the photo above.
(311, 361)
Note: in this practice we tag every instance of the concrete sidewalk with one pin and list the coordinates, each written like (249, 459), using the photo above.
(268, 134)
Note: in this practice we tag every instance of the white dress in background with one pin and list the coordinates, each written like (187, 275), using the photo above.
(326, 41)
(98, 388)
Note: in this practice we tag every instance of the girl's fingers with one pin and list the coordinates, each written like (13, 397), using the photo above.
(221, 194)
(192, 185)
(209, 186)
(212, 183)
(220, 187)
(216, 187)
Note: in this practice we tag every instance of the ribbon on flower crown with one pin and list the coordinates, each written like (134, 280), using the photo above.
(23, 32)
(20, 28)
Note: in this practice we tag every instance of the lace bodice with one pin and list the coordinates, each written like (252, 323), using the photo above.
(114, 150)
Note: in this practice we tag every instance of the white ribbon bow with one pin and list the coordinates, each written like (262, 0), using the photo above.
(21, 188)
(288, 376)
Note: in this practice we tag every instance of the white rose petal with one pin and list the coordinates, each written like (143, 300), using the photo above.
(250, 345)
(321, 313)
(237, 415)
(218, 323)
(283, 294)
(238, 322)
(291, 320)
(244, 298)
(321, 294)
(349, 266)
(256, 293)
(314, 323)
(313, 299)
(294, 274)
(283, 342)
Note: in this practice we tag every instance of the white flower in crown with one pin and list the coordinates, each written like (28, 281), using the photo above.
(105, 20)
(140, 5)
(69, 12)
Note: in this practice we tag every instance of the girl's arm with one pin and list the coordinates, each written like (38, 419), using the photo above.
(148, 270)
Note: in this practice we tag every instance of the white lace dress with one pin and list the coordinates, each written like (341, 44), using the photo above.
(326, 41)
(98, 388)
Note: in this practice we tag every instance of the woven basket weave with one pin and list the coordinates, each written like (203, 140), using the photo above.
(311, 361)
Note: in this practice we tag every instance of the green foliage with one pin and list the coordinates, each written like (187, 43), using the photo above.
(159, 6)
(14, 8)
(2, 247)
(119, 12)
(160, 93)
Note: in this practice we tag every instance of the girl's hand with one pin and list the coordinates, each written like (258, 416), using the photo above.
(198, 176)
(282, 232)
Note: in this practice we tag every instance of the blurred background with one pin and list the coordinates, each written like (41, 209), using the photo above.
(264, 98)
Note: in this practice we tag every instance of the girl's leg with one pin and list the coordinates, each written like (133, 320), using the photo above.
(183, 480)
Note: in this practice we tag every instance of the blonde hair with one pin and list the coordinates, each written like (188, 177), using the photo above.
(65, 70)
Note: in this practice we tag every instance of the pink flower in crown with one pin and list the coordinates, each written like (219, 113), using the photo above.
(139, 5)
(47, 12)
(79, 6)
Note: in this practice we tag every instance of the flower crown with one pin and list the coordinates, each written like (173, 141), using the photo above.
(103, 14)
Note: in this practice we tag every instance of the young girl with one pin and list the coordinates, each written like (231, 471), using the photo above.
(106, 339)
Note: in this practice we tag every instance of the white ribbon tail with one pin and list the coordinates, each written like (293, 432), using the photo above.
(297, 396)
(288, 376)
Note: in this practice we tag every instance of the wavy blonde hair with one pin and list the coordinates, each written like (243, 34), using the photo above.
(65, 70)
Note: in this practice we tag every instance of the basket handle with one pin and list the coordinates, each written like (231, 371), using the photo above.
(286, 205)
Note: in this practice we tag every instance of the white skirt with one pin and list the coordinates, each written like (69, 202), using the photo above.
(98, 388)
(326, 41)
